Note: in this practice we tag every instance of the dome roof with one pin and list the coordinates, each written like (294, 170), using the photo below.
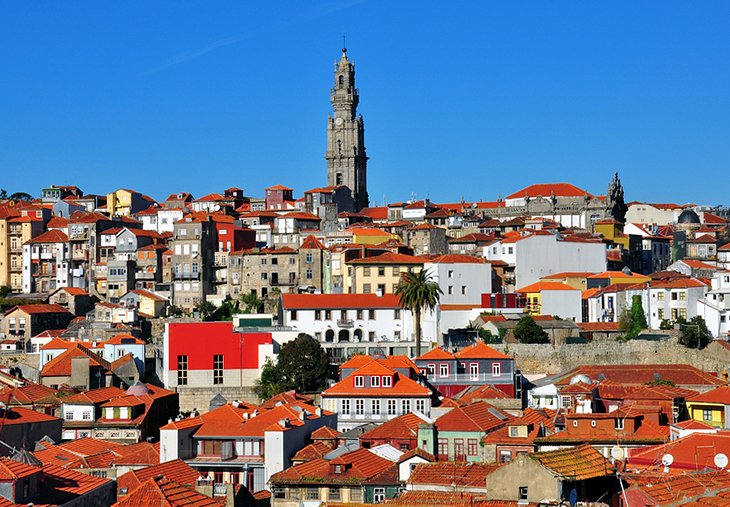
(138, 389)
(688, 216)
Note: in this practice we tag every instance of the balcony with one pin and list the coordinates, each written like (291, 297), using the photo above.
(345, 323)
(186, 276)
(467, 378)
(80, 255)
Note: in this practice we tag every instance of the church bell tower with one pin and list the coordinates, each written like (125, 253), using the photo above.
(346, 159)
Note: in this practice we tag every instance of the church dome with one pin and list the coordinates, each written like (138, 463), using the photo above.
(688, 216)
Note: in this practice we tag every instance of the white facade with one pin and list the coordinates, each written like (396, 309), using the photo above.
(660, 214)
(715, 306)
(166, 219)
(567, 304)
(669, 300)
(462, 283)
(55, 253)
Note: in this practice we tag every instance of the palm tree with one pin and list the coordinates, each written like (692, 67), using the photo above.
(417, 291)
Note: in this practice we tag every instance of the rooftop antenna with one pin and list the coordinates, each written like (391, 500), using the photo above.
(344, 43)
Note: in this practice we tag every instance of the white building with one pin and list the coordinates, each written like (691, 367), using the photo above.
(715, 306)
(535, 255)
(668, 299)
(659, 214)
(347, 324)
(46, 262)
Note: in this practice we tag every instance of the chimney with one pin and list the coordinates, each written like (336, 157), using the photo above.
(724, 376)
(303, 415)
(318, 410)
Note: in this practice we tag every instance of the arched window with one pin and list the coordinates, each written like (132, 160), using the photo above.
(338, 179)
(343, 335)
(329, 336)
(342, 81)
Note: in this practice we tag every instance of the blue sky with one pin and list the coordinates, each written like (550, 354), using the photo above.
(472, 99)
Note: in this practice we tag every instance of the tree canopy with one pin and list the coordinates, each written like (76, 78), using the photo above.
(417, 292)
(527, 331)
(302, 364)
(633, 321)
(694, 334)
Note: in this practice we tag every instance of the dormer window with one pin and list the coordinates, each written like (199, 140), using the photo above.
(359, 381)
(387, 381)
(374, 381)
(514, 431)
(618, 424)
(337, 469)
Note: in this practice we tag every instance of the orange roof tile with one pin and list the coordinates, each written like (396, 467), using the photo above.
(356, 467)
(577, 463)
(163, 492)
(452, 474)
(718, 395)
(480, 350)
(541, 286)
(477, 417)
(176, 470)
(389, 258)
(435, 353)
(401, 427)
(457, 259)
(402, 385)
(38, 308)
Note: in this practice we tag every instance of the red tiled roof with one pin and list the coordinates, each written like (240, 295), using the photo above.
(357, 466)
(718, 395)
(695, 451)
(60, 366)
(452, 474)
(176, 470)
(392, 362)
(477, 417)
(548, 189)
(325, 432)
(480, 350)
(639, 374)
(52, 236)
(311, 451)
(163, 492)
(402, 427)
(339, 301)
(577, 463)
(435, 354)
(457, 259)
(38, 308)
(541, 286)
(402, 386)
(476, 393)
(598, 326)
(28, 394)
(11, 470)
(312, 243)
(389, 258)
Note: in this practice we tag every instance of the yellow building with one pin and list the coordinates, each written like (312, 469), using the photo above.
(380, 272)
(612, 277)
(613, 231)
(15, 231)
(552, 298)
(575, 279)
(710, 407)
(125, 202)
(370, 236)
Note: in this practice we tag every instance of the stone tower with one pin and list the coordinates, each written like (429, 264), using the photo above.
(346, 159)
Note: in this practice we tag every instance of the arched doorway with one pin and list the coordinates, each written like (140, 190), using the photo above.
(329, 336)
(357, 335)
(343, 335)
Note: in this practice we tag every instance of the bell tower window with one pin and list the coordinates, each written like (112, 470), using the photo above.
(338, 179)
(342, 80)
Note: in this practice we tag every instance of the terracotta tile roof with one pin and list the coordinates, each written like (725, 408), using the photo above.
(11, 470)
(477, 417)
(541, 286)
(416, 452)
(124, 338)
(718, 395)
(477, 393)
(435, 353)
(460, 475)
(52, 236)
(534, 420)
(706, 488)
(480, 350)
(434, 498)
(62, 486)
(56, 222)
(548, 189)
(312, 451)
(640, 374)
(141, 453)
(176, 470)
(401, 427)
(339, 301)
(163, 492)
(34, 309)
(598, 326)
(88, 446)
(28, 394)
(577, 463)
(325, 432)
(457, 259)
(693, 424)
(402, 385)
(388, 258)
(278, 187)
(20, 415)
(356, 467)
(312, 243)
(695, 451)
(60, 366)
(148, 294)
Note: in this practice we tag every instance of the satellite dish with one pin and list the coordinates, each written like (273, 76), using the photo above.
(667, 460)
(617, 452)
(720, 460)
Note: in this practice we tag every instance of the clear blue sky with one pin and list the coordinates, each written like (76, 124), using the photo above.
(473, 99)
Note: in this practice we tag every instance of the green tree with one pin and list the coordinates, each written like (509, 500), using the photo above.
(527, 331)
(4, 291)
(666, 325)
(252, 303)
(227, 309)
(488, 338)
(638, 317)
(694, 334)
(417, 292)
(21, 196)
(302, 364)
(3, 193)
(205, 309)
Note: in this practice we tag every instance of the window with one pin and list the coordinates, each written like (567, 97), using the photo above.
(381, 271)
(443, 447)
(405, 406)
(359, 407)
(366, 271)
(312, 494)
(674, 296)
(463, 290)
(392, 409)
(431, 369)
(618, 424)
(421, 406)
(293, 314)
(458, 448)
(86, 415)
(378, 495)
(387, 381)
(182, 370)
(309, 274)
(396, 313)
(514, 431)
(451, 289)
(375, 407)
(317, 314)
(451, 273)
(309, 258)
(683, 296)
(522, 494)
(345, 407)
(334, 494)
(593, 424)
(356, 494)
(69, 416)
(359, 381)
(443, 370)
(707, 415)
(374, 381)
(218, 369)
(496, 369)
(366, 288)
(660, 296)
(474, 371)
(327, 315)
(371, 314)
(575, 423)
(471, 448)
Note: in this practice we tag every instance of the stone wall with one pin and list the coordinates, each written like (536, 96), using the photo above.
(199, 397)
(532, 358)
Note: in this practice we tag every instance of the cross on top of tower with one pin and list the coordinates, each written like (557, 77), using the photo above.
(344, 43)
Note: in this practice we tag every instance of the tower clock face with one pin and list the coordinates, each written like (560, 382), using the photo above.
(338, 122)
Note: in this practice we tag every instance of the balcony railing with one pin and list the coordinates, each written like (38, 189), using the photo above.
(346, 323)
(467, 378)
